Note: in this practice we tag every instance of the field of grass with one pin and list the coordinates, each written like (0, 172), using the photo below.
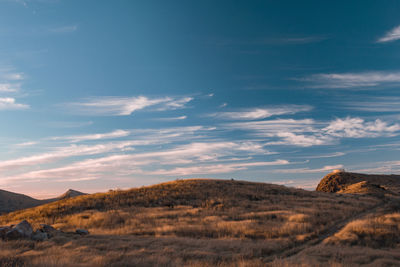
(190, 223)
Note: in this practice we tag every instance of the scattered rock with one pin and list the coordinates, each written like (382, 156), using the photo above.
(4, 230)
(82, 231)
(39, 236)
(47, 228)
(24, 230)
(21, 230)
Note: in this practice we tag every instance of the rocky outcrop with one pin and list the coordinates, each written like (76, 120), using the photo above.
(24, 230)
(70, 194)
(358, 183)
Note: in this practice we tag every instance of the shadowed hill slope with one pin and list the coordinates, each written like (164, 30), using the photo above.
(344, 182)
(10, 201)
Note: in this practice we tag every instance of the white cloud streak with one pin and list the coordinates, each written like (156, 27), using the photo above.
(26, 144)
(91, 137)
(261, 113)
(180, 118)
(9, 88)
(308, 170)
(123, 106)
(377, 104)
(358, 128)
(353, 80)
(390, 36)
(64, 152)
(307, 132)
(127, 164)
(216, 168)
(9, 103)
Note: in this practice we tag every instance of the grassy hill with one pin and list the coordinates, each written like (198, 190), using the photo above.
(208, 223)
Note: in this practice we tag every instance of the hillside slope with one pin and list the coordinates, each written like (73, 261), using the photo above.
(10, 201)
(193, 192)
(201, 222)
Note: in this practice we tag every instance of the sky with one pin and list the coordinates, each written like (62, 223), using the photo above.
(98, 95)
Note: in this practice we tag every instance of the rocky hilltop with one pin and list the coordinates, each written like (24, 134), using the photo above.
(70, 193)
(358, 183)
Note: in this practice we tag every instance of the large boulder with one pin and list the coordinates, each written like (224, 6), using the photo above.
(21, 230)
(49, 230)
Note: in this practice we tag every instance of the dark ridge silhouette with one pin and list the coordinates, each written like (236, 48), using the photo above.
(10, 201)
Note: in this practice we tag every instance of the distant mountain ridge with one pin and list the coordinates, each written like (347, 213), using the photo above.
(10, 201)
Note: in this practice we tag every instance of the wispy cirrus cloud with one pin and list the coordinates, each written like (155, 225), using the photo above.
(91, 137)
(26, 144)
(216, 168)
(308, 170)
(261, 113)
(353, 79)
(268, 128)
(144, 163)
(390, 36)
(9, 88)
(375, 104)
(10, 84)
(64, 152)
(302, 140)
(124, 106)
(9, 103)
(332, 155)
(358, 128)
(308, 132)
(388, 167)
(179, 118)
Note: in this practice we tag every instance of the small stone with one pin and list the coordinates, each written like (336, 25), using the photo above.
(39, 236)
(82, 231)
(47, 228)
(4, 230)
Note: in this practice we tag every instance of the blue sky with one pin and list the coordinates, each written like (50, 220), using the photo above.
(116, 94)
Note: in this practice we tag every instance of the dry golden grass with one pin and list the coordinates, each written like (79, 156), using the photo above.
(340, 255)
(181, 223)
(377, 231)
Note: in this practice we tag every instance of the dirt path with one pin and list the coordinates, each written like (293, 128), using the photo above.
(293, 251)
